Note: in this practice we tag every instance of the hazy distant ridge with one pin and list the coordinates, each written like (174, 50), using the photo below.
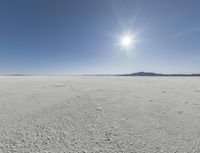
(156, 74)
(128, 74)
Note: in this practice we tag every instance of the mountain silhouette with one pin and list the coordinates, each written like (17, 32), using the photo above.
(156, 74)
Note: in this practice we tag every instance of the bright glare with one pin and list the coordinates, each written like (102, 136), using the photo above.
(126, 41)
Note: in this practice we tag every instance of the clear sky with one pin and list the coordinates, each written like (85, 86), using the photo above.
(82, 36)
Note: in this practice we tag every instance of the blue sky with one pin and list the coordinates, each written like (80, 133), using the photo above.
(80, 36)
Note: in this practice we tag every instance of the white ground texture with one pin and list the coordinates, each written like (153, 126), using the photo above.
(79, 114)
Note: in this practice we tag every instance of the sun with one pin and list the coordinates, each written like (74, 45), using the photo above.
(127, 41)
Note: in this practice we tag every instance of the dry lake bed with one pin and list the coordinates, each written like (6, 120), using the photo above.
(80, 114)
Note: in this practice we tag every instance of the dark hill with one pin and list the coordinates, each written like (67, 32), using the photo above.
(156, 74)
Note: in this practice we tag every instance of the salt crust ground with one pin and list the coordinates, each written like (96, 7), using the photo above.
(99, 114)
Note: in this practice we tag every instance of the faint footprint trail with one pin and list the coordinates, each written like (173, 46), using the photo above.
(60, 86)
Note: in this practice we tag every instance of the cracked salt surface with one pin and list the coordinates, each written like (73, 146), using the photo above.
(99, 114)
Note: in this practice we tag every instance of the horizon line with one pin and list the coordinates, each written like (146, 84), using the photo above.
(141, 73)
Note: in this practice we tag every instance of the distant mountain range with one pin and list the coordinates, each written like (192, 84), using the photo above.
(130, 74)
(156, 74)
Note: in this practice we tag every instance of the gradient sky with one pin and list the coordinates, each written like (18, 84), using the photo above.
(80, 36)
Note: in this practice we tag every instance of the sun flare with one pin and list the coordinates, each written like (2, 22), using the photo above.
(127, 41)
